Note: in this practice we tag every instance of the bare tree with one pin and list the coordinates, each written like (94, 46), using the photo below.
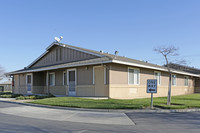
(167, 51)
(2, 73)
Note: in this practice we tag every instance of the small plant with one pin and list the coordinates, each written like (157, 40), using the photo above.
(32, 97)
(20, 98)
(9, 95)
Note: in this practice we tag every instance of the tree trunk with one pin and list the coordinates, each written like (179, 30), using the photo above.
(169, 90)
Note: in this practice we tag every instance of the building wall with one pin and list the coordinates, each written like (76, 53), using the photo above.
(197, 85)
(85, 86)
(120, 89)
(20, 84)
(85, 75)
(39, 79)
(5, 87)
(58, 55)
(116, 83)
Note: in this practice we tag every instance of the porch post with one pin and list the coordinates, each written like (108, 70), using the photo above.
(47, 82)
(66, 85)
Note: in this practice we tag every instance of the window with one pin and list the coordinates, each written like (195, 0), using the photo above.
(186, 80)
(64, 78)
(133, 76)
(173, 79)
(28, 79)
(51, 79)
(157, 75)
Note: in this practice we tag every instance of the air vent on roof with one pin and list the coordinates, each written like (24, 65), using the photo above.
(116, 53)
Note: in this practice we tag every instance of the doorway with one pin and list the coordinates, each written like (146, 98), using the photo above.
(71, 80)
(29, 83)
(99, 81)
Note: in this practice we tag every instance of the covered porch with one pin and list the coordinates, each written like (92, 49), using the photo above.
(57, 82)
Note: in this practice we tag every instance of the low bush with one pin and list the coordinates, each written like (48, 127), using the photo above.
(9, 95)
(32, 97)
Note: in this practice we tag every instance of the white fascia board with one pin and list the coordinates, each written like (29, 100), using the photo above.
(61, 66)
(155, 68)
(109, 61)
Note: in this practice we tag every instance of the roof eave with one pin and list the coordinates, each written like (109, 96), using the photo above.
(59, 67)
(154, 68)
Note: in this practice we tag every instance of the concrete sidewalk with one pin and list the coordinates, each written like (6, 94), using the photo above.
(66, 115)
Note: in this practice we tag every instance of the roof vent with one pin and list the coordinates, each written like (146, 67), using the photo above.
(101, 51)
(116, 53)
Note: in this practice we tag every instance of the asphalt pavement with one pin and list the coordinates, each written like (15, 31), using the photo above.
(22, 118)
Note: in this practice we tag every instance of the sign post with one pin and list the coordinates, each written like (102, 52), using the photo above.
(152, 88)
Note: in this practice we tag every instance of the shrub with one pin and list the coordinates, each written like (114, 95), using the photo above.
(9, 95)
(32, 97)
(20, 98)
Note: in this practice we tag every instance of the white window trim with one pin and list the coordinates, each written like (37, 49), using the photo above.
(65, 77)
(68, 70)
(138, 75)
(31, 74)
(172, 80)
(160, 77)
(54, 82)
(187, 80)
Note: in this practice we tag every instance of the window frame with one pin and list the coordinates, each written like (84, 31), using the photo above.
(155, 77)
(186, 77)
(29, 74)
(134, 76)
(54, 81)
(172, 80)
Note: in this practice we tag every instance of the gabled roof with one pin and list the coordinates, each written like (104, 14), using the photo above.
(6, 82)
(104, 58)
(63, 45)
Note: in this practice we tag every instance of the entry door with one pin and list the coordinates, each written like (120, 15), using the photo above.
(72, 82)
(29, 83)
(99, 81)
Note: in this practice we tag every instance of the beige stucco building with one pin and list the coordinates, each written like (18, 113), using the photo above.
(67, 70)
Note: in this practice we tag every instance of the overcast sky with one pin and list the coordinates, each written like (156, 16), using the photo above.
(133, 27)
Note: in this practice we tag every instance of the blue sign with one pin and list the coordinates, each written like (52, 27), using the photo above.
(152, 86)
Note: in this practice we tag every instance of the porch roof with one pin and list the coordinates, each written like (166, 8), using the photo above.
(65, 65)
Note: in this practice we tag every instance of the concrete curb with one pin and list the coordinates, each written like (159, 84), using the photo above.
(156, 110)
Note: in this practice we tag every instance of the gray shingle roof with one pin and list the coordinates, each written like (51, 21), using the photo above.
(103, 58)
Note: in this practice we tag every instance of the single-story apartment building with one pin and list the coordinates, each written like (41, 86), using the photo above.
(6, 86)
(73, 71)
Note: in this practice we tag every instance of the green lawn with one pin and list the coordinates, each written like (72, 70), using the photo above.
(178, 102)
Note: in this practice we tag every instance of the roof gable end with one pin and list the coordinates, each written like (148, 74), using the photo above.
(58, 53)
